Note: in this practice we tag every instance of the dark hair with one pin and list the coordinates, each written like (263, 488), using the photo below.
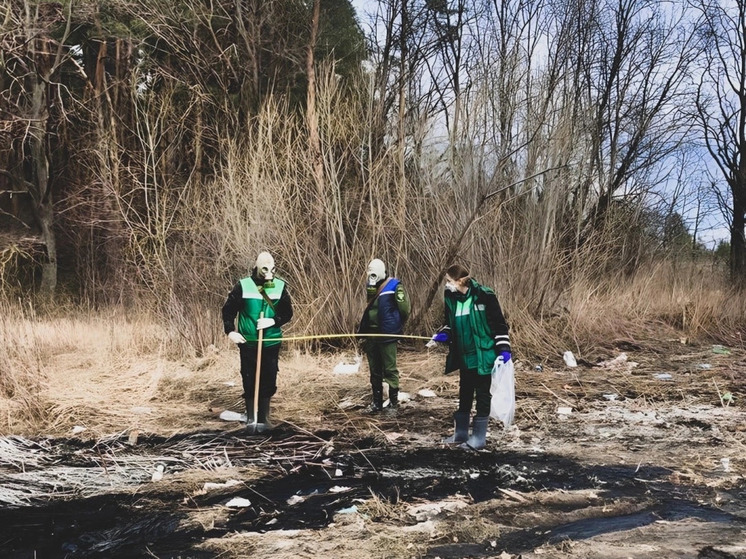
(456, 272)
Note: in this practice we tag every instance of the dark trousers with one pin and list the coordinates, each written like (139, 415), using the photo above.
(472, 383)
(267, 373)
(382, 363)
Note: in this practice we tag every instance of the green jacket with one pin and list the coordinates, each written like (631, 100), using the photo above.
(488, 327)
(253, 305)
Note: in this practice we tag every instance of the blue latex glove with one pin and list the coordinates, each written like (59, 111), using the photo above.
(441, 337)
(504, 355)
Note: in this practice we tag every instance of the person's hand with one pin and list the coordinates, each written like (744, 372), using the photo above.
(236, 338)
(504, 355)
(442, 337)
(263, 323)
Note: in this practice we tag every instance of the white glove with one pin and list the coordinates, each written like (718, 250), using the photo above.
(431, 344)
(236, 338)
(263, 323)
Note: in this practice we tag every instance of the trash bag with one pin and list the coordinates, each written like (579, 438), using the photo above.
(502, 389)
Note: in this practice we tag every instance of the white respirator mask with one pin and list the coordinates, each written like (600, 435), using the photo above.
(376, 273)
(450, 286)
(265, 268)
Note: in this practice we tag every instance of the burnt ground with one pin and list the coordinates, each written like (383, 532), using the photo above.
(642, 466)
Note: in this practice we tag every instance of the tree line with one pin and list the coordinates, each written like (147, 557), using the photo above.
(150, 148)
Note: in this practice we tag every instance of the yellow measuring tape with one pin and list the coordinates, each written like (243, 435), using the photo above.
(322, 336)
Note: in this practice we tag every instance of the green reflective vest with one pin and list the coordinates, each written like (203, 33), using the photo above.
(253, 305)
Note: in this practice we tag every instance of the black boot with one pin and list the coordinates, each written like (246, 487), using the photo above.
(376, 404)
(250, 423)
(478, 438)
(393, 406)
(262, 417)
(460, 428)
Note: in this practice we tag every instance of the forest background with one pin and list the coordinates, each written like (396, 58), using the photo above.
(572, 154)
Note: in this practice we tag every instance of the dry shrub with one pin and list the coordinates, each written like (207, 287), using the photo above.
(22, 370)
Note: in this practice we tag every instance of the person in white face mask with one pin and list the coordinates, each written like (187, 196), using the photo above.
(260, 302)
(477, 334)
(386, 312)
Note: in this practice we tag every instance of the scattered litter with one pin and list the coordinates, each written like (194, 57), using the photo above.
(663, 376)
(428, 511)
(704, 366)
(77, 429)
(562, 410)
(726, 399)
(725, 463)
(229, 383)
(403, 397)
(474, 475)
(238, 502)
(295, 499)
(612, 363)
(427, 393)
(538, 368)
(391, 437)
(620, 363)
(348, 510)
(346, 404)
(338, 473)
(569, 359)
(211, 485)
(228, 415)
(339, 489)
(158, 473)
(611, 397)
(273, 521)
(720, 350)
(345, 368)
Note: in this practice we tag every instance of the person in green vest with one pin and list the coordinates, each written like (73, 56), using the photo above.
(477, 334)
(260, 302)
(386, 312)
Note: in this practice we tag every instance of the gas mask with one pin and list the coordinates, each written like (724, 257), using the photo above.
(265, 269)
(376, 273)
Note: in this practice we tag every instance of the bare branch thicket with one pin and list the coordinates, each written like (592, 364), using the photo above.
(721, 113)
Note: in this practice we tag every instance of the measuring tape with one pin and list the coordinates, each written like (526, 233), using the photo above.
(323, 336)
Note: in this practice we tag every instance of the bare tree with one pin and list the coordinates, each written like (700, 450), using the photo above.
(34, 103)
(721, 112)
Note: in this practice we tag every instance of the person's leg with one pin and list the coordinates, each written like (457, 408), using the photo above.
(482, 384)
(390, 371)
(267, 383)
(466, 387)
(478, 438)
(375, 366)
(248, 377)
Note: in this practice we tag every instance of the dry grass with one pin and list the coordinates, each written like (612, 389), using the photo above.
(113, 373)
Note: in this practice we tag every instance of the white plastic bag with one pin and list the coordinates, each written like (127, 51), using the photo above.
(502, 389)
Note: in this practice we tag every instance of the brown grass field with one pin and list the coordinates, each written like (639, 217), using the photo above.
(98, 408)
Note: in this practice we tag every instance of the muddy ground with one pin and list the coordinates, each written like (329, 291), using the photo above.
(649, 462)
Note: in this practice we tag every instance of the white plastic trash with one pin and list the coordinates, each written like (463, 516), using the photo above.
(569, 359)
(502, 389)
(238, 502)
(228, 415)
(343, 368)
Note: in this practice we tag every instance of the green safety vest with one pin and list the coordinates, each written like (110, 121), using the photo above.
(480, 333)
(253, 305)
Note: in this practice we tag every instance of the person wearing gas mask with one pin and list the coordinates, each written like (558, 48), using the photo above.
(261, 302)
(386, 312)
(477, 334)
